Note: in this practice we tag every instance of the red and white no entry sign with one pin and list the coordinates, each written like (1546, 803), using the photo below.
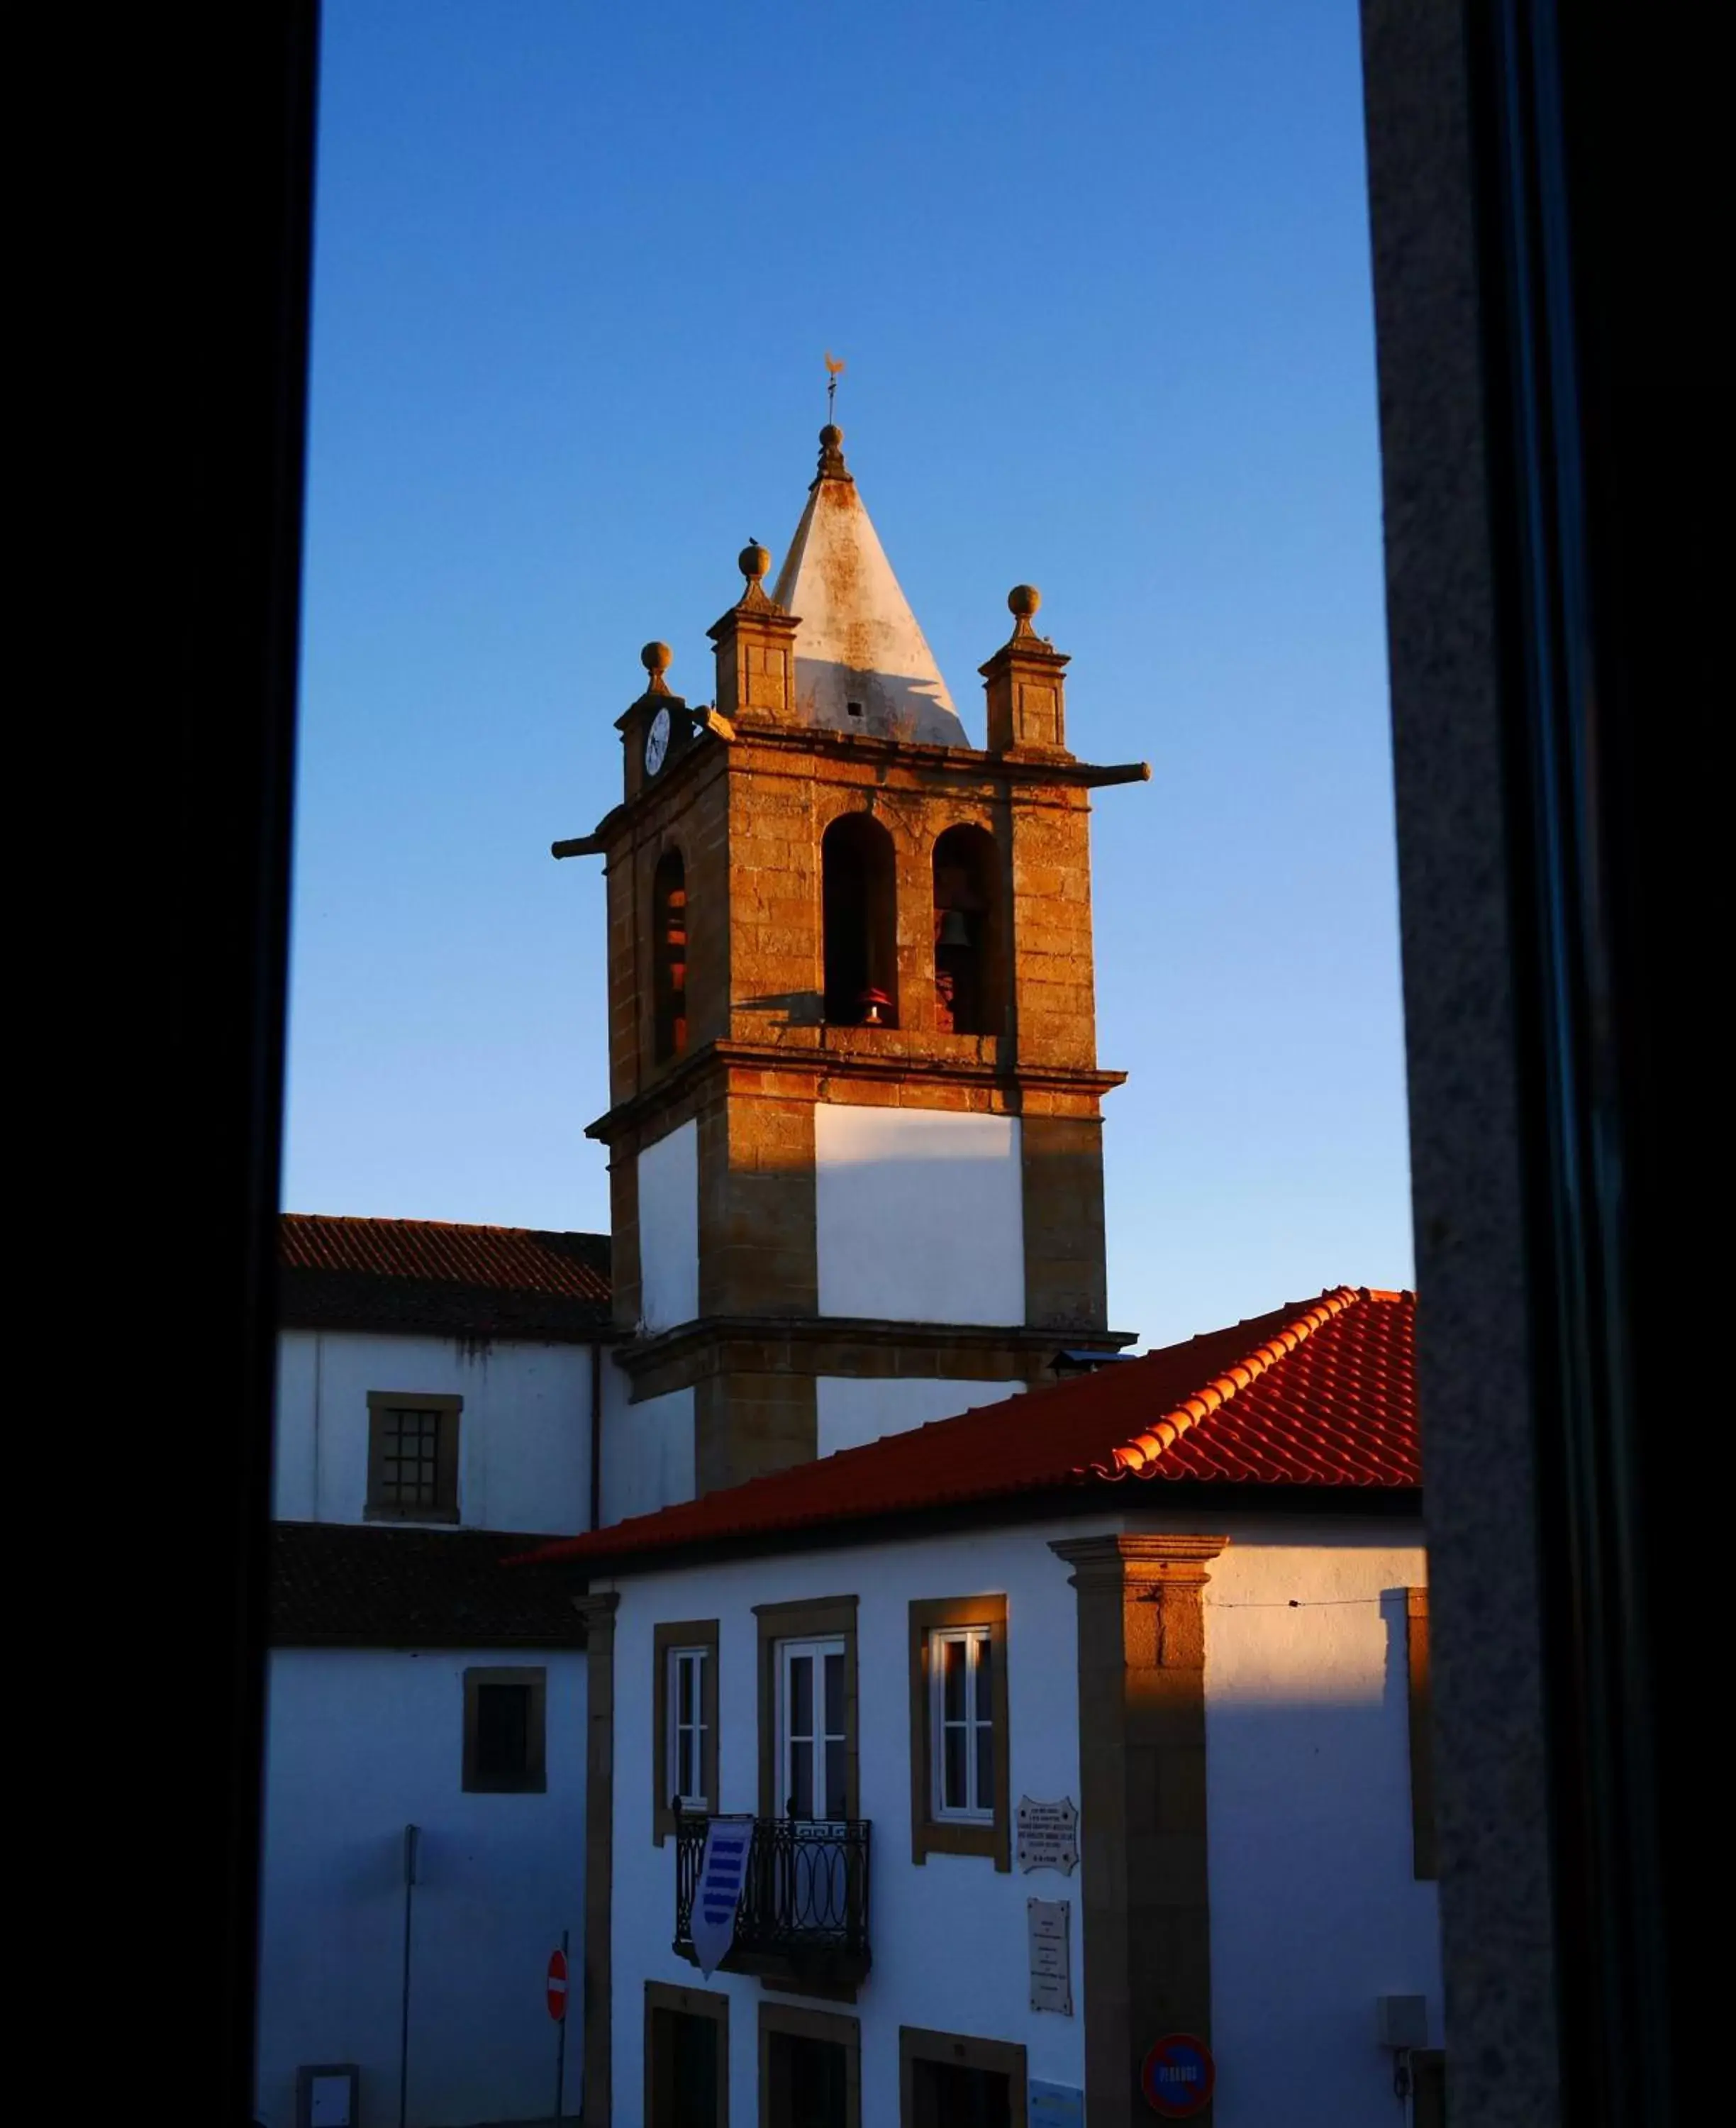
(558, 1985)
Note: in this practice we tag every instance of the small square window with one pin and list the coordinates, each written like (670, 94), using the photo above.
(503, 1732)
(412, 1456)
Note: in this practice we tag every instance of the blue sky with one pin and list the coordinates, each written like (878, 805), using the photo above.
(1100, 277)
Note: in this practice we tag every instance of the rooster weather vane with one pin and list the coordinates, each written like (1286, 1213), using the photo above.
(834, 370)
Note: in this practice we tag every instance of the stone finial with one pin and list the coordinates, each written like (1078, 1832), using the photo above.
(656, 659)
(1025, 689)
(832, 453)
(753, 562)
(1023, 601)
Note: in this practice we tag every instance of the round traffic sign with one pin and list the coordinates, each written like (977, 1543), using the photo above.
(558, 1985)
(1177, 2076)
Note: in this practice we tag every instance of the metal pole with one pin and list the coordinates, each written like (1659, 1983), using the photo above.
(411, 1838)
(560, 2044)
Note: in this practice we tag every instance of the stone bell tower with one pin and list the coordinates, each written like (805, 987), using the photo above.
(854, 1132)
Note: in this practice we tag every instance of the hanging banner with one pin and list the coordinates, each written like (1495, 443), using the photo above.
(718, 1893)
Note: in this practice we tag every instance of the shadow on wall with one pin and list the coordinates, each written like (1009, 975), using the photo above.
(839, 697)
(1316, 1912)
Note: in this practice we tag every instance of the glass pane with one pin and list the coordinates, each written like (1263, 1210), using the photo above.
(686, 1784)
(835, 1695)
(693, 2070)
(952, 1679)
(985, 1675)
(801, 1695)
(686, 1677)
(836, 1804)
(503, 1732)
(801, 1780)
(953, 1795)
(808, 2080)
(985, 1765)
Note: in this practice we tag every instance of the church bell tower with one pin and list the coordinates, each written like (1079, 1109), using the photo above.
(854, 1129)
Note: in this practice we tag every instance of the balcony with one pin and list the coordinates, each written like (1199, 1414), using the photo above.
(804, 1914)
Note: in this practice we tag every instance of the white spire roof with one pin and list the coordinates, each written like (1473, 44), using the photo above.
(859, 644)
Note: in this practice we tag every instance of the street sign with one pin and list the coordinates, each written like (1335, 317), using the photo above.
(558, 1985)
(1177, 2076)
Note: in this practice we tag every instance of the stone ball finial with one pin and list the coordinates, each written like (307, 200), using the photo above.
(1023, 601)
(831, 437)
(753, 561)
(656, 658)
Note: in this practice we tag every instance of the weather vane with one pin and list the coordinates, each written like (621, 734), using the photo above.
(834, 370)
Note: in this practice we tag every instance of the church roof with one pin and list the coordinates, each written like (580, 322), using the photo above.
(858, 642)
(428, 1275)
(1319, 1394)
(341, 1585)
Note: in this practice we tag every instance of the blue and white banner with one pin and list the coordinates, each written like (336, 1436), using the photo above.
(717, 1895)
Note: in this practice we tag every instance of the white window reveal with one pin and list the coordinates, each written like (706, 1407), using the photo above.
(962, 1722)
(685, 1729)
(812, 1744)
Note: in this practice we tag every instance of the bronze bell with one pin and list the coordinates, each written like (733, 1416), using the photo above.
(955, 931)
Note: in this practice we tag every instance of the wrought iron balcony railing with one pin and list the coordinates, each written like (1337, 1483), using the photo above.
(803, 1908)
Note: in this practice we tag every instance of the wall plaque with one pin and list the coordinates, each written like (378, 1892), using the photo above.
(1048, 1835)
(1051, 1956)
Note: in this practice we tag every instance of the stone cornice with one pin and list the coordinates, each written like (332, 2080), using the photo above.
(823, 1056)
(1123, 1558)
(641, 1354)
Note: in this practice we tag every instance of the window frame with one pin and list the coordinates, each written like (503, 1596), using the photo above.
(820, 1618)
(817, 1650)
(449, 1409)
(1424, 1865)
(990, 1835)
(999, 2057)
(660, 1995)
(533, 1679)
(830, 2027)
(970, 1638)
(669, 1638)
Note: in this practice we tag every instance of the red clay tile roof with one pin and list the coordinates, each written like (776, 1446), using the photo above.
(1318, 1394)
(338, 1584)
(411, 1275)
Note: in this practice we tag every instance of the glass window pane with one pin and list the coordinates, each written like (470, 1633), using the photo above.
(952, 1679)
(985, 1675)
(801, 1780)
(686, 1784)
(985, 1765)
(687, 1677)
(953, 1794)
(801, 1695)
(835, 1695)
(503, 1732)
(837, 1802)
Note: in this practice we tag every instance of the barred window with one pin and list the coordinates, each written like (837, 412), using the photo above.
(412, 1456)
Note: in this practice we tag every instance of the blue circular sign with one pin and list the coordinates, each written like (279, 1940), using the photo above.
(1177, 2076)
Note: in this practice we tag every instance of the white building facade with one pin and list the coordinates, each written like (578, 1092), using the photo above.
(424, 1851)
(1224, 1676)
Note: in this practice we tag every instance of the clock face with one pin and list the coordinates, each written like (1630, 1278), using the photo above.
(657, 742)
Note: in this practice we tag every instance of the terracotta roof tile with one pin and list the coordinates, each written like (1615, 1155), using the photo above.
(409, 1274)
(338, 1584)
(1317, 1393)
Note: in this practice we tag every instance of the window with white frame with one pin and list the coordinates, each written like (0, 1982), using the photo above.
(684, 1727)
(813, 1746)
(961, 1723)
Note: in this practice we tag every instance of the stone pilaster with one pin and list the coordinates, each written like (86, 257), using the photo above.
(1145, 1888)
